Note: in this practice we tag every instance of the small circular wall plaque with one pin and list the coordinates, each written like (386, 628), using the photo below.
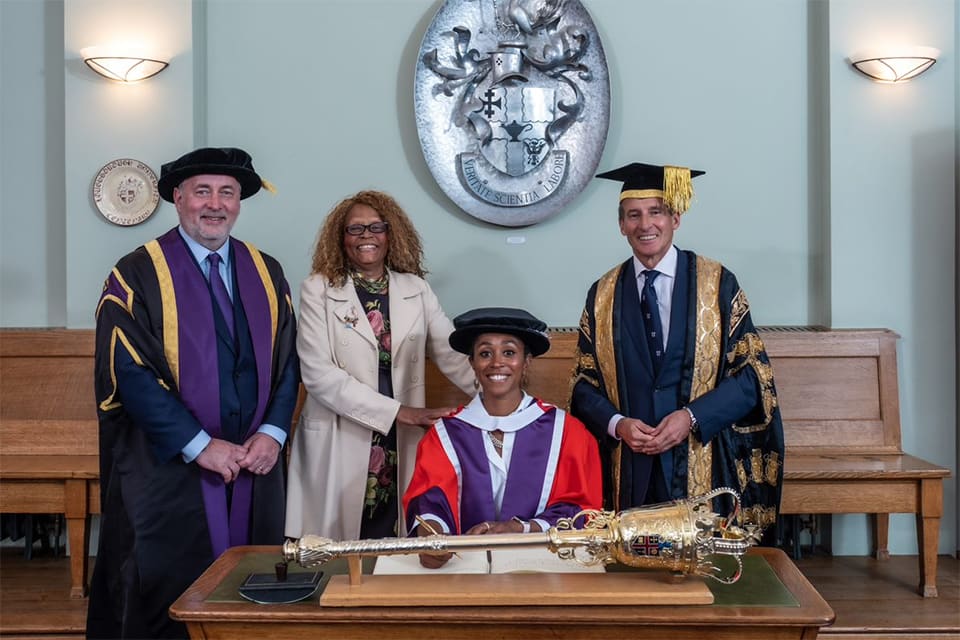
(125, 192)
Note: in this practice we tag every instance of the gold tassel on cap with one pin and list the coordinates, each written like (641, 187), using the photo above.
(677, 188)
(268, 186)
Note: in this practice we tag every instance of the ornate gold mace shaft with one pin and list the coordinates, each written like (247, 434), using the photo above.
(679, 536)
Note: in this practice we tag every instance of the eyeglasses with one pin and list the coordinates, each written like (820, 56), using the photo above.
(373, 227)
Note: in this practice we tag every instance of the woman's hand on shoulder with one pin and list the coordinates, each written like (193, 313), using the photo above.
(422, 417)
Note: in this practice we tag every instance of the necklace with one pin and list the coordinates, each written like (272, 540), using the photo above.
(378, 286)
(497, 442)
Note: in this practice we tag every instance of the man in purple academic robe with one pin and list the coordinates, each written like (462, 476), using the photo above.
(196, 384)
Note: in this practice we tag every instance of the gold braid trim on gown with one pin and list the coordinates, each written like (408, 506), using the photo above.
(706, 364)
(605, 349)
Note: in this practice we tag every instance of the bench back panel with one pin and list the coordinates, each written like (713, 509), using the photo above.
(47, 404)
(837, 388)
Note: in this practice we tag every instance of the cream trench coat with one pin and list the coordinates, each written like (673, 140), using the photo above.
(330, 452)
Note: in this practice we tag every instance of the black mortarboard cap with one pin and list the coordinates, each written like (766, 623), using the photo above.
(516, 322)
(672, 184)
(227, 161)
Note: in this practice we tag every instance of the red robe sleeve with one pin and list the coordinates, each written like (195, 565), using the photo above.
(434, 487)
(578, 479)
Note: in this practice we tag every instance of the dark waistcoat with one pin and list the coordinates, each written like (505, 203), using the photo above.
(238, 373)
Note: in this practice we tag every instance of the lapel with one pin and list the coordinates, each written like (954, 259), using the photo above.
(223, 333)
(406, 308)
(679, 306)
(348, 311)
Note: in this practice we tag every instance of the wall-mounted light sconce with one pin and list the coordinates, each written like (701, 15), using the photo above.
(894, 66)
(124, 67)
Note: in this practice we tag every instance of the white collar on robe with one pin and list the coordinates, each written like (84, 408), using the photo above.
(476, 414)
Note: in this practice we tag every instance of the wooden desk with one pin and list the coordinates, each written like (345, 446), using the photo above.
(212, 620)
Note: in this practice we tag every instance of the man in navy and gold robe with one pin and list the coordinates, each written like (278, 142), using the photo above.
(196, 384)
(671, 375)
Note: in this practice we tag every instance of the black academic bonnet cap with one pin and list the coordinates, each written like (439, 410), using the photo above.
(640, 180)
(227, 161)
(517, 322)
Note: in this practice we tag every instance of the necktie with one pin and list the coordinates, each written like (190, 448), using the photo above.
(651, 318)
(220, 290)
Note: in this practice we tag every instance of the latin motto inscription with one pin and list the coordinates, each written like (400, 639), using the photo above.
(477, 176)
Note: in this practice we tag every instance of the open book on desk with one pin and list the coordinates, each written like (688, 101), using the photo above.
(526, 560)
(463, 562)
(535, 560)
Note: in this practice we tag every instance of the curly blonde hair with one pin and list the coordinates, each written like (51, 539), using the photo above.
(404, 250)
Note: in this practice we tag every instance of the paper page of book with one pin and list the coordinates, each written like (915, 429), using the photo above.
(535, 560)
(467, 562)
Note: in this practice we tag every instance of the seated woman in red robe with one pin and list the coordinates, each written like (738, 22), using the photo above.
(506, 462)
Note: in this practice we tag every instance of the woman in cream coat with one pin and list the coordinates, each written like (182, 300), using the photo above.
(367, 319)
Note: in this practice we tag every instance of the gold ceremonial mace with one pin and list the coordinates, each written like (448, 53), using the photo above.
(678, 536)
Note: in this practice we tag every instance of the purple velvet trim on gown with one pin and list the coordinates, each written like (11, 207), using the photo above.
(433, 502)
(257, 309)
(198, 367)
(528, 468)
(525, 478)
(112, 287)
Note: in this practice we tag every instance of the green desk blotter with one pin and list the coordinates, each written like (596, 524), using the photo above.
(759, 586)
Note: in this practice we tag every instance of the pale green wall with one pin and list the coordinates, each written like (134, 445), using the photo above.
(828, 195)
(149, 121)
(342, 120)
(893, 216)
(32, 234)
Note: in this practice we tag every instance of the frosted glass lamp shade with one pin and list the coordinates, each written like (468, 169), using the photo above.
(894, 66)
(123, 67)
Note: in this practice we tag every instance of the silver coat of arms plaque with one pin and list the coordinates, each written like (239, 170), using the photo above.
(512, 100)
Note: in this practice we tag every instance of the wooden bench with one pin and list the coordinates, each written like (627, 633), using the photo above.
(837, 388)
(841, 414)
(839, 399)
(49, 461)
